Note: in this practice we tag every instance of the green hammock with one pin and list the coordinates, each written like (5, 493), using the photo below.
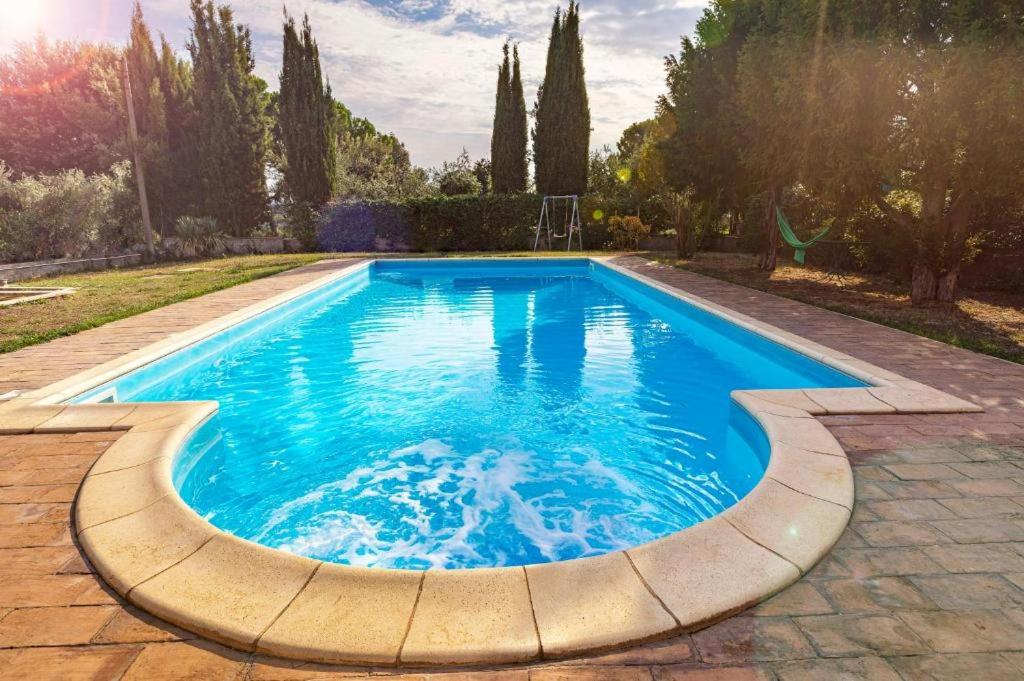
(790, 237)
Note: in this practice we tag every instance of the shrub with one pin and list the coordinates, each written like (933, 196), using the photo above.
(458, 183)
(626, 232)
(198, 236)
(68, 214)
(302, 223)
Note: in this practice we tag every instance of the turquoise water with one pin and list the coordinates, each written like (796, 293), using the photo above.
(467, 413)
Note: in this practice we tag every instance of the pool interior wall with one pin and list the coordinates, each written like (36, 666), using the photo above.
(472, 413)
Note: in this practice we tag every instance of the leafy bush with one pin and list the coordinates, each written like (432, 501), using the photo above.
(626, 232)
(459, 183)
(458, 177)
(66, 215)
(302, 223)
(198, 236)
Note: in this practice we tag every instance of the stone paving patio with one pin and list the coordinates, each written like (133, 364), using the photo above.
(928, 581)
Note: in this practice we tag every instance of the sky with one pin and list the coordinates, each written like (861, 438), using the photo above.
(425, 70)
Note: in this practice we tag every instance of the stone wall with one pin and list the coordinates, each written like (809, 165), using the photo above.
(22, 271)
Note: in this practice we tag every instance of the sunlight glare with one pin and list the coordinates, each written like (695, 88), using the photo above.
(21, 15)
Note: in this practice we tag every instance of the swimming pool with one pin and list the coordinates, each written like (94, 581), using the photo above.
(464, 413)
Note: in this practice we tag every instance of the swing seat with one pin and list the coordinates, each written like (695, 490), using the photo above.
(571, 223)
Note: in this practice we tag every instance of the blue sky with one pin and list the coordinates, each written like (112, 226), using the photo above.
(423, 69)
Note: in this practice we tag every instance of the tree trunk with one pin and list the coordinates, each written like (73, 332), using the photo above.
(930, 286)
(922, 285)
(945, 289)
(770, 257)
(682, 235)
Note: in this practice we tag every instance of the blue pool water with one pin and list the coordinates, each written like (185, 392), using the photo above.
(465, 414)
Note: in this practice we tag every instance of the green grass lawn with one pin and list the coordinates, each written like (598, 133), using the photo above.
(103, 297)
(107, 296)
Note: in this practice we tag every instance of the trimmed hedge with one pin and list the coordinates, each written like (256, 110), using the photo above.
(486, 222)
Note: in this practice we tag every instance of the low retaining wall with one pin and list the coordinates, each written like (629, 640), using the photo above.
(22, 271)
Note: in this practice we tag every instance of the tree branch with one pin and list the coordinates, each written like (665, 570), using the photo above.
(893, 214)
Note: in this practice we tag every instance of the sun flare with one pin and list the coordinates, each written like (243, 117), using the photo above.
(21, 15)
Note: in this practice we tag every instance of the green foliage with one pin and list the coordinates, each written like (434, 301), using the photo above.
(561, 135)
(518, 130)
(626, 232)
(302, 223)
(484, 222)
(482, 173)
(457, 178)
(60, 107)
(198, 236)
(861, 105)
(508, 140)
(233, 133)
(158, 84)
(67, 214)
(177, 180)
(376, 167)
(307, 120)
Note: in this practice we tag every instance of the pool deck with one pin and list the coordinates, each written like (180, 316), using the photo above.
(925, 583)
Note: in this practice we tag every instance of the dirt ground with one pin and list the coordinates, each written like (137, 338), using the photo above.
(990, 322)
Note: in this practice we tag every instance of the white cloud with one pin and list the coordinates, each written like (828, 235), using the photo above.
(425, 69)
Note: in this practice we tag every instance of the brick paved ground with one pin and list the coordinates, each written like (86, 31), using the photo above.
(928, 582)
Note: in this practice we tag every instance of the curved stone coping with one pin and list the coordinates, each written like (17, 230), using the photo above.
(163, 557)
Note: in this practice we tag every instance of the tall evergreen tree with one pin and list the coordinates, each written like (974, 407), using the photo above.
(546, 114)
(518, 130)
(501, 149)
(144, 71)
(150, 112)
(307, 120)
(181, 176)
(561, 138)
(231, 129)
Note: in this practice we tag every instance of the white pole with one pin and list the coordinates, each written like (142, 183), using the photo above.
(540, 221)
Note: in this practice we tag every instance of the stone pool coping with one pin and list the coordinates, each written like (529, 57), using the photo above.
(160, 555)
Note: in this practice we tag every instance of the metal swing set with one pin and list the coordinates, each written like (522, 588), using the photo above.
(571, 223)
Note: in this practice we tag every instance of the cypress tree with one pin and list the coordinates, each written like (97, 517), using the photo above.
(575, 161)
(519, 175)
(150, 113)
(143, 69)
(181, 172)
(307, 120)
(561, 136)
(546, 115)
(231, 125)
(501, 149)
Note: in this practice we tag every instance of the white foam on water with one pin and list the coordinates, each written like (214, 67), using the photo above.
(444, 509)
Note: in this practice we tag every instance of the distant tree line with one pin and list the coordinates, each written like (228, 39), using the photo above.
(216, 144)
(214, 141)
